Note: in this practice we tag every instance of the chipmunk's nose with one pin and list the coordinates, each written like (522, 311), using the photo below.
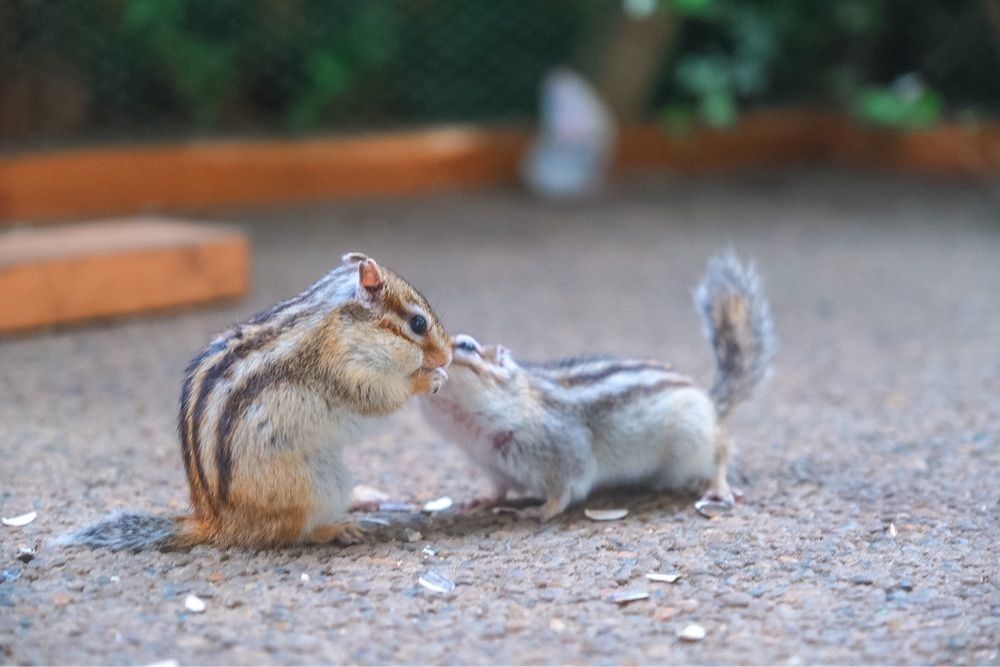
(437, 358)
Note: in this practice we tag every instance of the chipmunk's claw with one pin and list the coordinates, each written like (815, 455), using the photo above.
(344, 534)
(438, 377)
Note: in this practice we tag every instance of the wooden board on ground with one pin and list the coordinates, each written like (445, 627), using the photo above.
(82, 271)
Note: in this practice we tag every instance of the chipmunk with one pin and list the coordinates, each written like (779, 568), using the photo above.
(564, 428)
(266, 408)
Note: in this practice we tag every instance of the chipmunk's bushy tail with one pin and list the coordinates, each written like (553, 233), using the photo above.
(134, 531)
(736, 320)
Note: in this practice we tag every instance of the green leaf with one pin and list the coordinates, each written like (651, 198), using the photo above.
(925, 111)
(678, 120)
(718, 108)
(692, 7)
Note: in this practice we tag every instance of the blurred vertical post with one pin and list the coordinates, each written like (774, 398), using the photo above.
(632, 55)
(992, 10)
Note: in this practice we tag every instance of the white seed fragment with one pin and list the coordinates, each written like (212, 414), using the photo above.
(556, 624)
(625, 597)
(692, 633)
(667, 578)
(605, 515)
(892, 529)
(115, 578)
(304, 577)
(429, 551)
(438, 505)
(437, 582)
(194, 604)
(20, 520)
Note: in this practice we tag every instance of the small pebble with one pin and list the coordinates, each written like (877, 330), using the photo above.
(25, 554)
(692, 633)
(605, 515)
(413, 535)
(667, 578)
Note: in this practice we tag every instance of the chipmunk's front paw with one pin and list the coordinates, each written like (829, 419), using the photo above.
(438, 377)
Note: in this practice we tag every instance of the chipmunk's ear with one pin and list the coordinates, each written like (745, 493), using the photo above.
(369, 279)
(353, 258)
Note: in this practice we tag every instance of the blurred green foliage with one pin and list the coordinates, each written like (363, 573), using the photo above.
(895, 64)
(140, 68)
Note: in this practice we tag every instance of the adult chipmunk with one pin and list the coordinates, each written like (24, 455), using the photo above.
(266, 408)
(564, 428)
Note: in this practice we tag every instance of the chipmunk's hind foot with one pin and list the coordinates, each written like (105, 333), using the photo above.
(344, 534)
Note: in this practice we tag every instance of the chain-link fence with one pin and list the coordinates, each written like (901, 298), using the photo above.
(96, 71)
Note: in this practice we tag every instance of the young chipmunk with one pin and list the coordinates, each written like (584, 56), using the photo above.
(266, 408)
(562, 429)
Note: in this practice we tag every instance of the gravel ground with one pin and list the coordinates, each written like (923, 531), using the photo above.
(869, 531)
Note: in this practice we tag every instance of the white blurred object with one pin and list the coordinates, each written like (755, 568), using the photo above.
(571, 155)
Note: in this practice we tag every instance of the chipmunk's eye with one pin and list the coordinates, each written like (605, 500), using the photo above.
(418, 323)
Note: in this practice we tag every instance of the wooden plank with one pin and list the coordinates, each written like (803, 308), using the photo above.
(944, 150)
(72, 273)
(88, 183)
(184, 177)
(777, 137)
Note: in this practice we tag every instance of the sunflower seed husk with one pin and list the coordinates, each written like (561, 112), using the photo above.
(20, 520)
(438, 505)
(437, 582)
(605, 515)
(396, 507)
(713, 508)
(374, 520)
(692, 633)
(194, 604)
(667, 578)
(625, 597)
(25, 554)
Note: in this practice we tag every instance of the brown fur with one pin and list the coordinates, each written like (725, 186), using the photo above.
(343, 347)
(269, 505)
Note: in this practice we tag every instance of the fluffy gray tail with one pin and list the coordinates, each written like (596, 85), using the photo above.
(736, 320)
(134, 531)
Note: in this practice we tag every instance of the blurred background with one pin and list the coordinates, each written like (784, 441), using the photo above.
(91, 72)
